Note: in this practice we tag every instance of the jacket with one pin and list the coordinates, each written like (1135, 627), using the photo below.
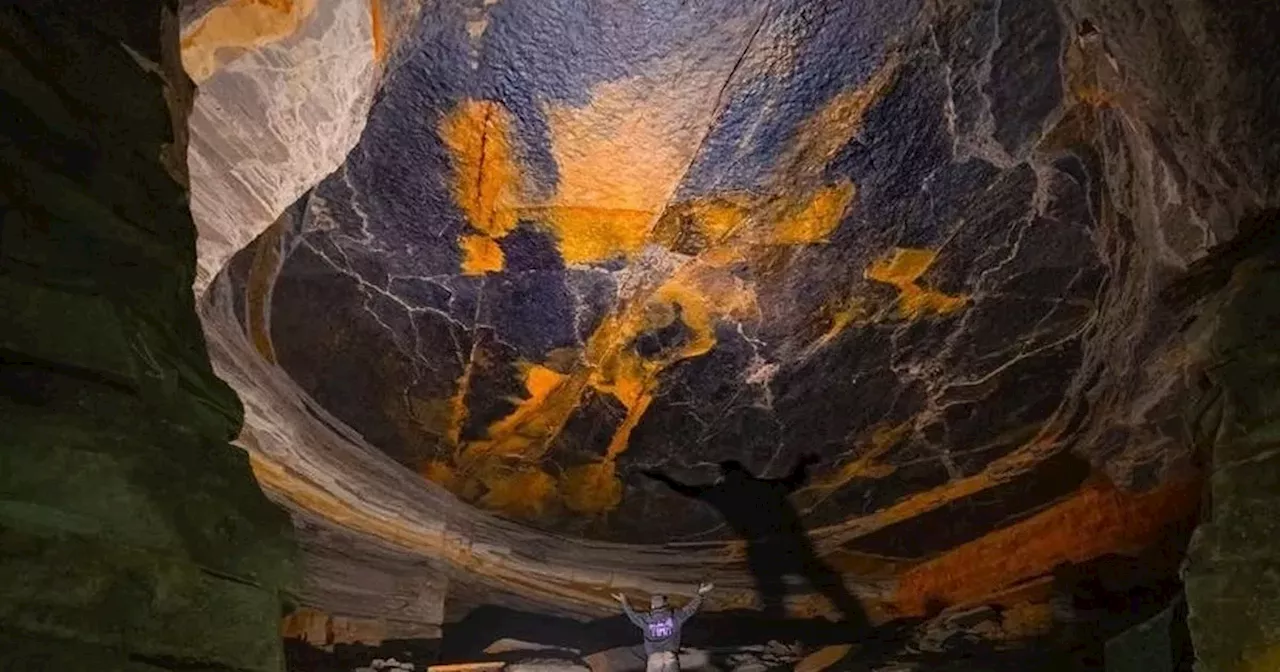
(662, 627)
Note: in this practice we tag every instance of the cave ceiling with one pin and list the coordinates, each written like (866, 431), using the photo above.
(576, 241)
(572, 245)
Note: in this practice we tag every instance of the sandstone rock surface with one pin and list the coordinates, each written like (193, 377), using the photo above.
(927, 241)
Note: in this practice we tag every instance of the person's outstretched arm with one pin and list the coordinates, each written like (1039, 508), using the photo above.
(626, 609)
(686, 490)
(688, 610)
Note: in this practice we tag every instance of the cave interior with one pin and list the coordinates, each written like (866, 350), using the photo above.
(364, 335)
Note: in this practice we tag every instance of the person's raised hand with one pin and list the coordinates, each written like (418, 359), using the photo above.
(704, 588)
(620, 597)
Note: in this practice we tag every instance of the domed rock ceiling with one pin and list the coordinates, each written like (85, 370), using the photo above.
(574, 241)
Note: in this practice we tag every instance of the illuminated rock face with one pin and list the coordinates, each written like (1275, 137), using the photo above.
(736, 232)
(572, 244)
(284, 90)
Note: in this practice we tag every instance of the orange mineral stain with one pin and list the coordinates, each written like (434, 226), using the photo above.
(1090, 76)
(486, 177)
(823, 134)
(1093, 96)
(620, 157)
(815, 219)
(591, 488)
(520, 493)
(902, 268)
(1002, 470)
(458, 412)
(440, 473)
(844, 313)
(739, 221)
(378, 32)
(480, 255)
(588, 234)
(705, 296)
(1097, 520)
(866, 465)
(693, 226)
(262, 274)
(309, 625)
(701, 294)
(239, 25)
(1034, 591)
(526, 429)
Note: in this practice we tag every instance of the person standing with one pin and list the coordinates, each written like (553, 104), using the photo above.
(661, 627)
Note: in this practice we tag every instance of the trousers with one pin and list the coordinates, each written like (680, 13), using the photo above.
(665, 661)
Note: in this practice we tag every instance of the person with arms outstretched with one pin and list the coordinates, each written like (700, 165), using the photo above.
(661, 627)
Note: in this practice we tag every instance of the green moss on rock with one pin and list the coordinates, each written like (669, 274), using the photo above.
(1233, 566)
(132, 534)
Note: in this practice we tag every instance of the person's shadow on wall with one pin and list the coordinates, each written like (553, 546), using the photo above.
(759, 511)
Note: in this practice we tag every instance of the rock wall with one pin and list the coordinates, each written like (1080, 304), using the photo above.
(359, 590)
(1066, 164)
(969, 326)
(133, 534)
(284, 90)
(1232, 577)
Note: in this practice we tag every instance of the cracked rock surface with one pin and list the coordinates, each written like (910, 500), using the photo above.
(479, 266)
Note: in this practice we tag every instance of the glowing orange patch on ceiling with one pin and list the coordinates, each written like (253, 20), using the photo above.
(622, 156)
(480, 255)
(521, 493)
(816, 219)
(527, 427)
(591, 488)
(902, 269)
(486, 177)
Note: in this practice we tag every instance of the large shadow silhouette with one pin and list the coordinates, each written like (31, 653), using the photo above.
(758, 510)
